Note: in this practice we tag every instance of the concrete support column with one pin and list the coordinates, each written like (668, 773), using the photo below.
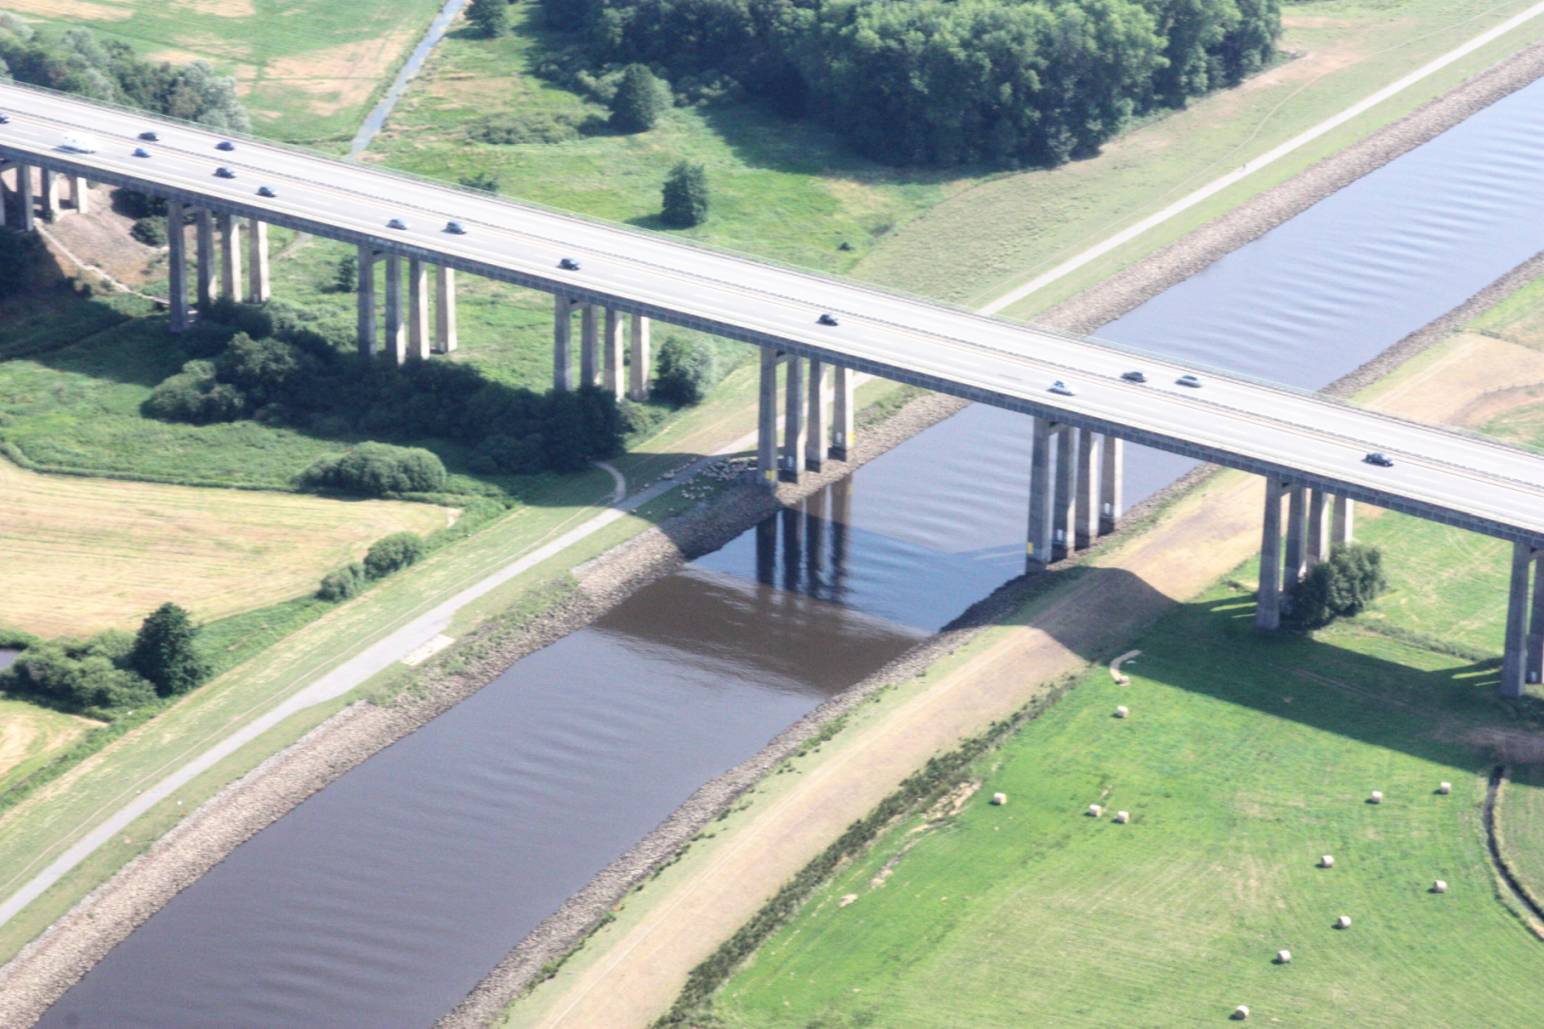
(204, 230)
(445, 310)
(1535, 664)
(1268, 604)
(417, 310)
(177, 265)
(562, 343)
(766, 418)
(1066, 492)
(79, 195)
(793, 419)
(1342, 527)
(1112, 471)
(1085, 525)
(366, 302)
(611, 353)
(4, 196)
(50, 195)
(1514, 659)
(396, 338)
(843, 413)
(1297, 506)
(259, 286)
(230, 257)
(815, 444)
(589, 345)
(24, 191)
(1037, 549)
(1318, 527)
(638, 360)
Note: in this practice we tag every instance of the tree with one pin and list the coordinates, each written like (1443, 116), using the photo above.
(685, 196)
(390, 553)
(637, 103)
(684, 370)
(1343, 585)
(346, 278)
(165, 652)
(490, 16)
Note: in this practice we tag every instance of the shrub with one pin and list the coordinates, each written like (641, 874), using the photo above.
(538, 127)
(490, 16)
(165, 653)
(345, 279)
(74, 675)
(344, 583)
(685, 370)
(261, 369)
(638, 101)
(685, 196)
(508, 455)
(482, 181)
(150, 231)
(193, 395)
(375, 469)
(393, 552)
(1343, 585)
(131, 203)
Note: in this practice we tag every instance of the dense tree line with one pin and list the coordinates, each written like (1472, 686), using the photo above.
(946, 81)
(75, 61)
(388, 555)
(264, 363)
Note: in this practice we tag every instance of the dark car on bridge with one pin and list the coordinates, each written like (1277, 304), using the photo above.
(224, 172)
(266, 191)
(1189, 380)
(568, 264)
(1380, 459)
(140, 151)
(827, 319)
(150, 137)
(455, 228)
(225, 144)
(1134, 376)
(396, 223)
(5, 119)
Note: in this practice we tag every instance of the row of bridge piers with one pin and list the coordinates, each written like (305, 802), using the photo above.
(40, 194)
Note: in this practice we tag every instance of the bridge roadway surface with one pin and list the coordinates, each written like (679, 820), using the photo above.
(1445, 476)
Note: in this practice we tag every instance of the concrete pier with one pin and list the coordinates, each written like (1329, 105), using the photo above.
(445, 310)
(638, 359)
(589, 346)
(1342, 527)
(1037, 549)
(1514, 658)
(24, 195)
(815, 444)
(611, 354)
(1112, 471)
(1085, 523)
(204, 230)
(843, 413)
(396, 337)
(1297, 534)
(1063, 504)
(1268, 606)
(80, 195)
(177, 265)
(366, 302)
(766, 418)
(230, 258)
(417, 309)
(259, 287)
(793, 419)
(1318, 548)
(50, 195)
(562, 343)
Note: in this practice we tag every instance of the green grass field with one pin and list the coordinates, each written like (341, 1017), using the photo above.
(1242, 762)
(1521, 816)
(307, 70)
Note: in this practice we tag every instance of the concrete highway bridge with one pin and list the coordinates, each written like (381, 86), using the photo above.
(1310, 450)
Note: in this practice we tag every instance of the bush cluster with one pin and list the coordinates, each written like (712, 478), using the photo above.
(264, 362)
(387, 555)
(684, 200)
(946, 82)
(112, 671)
(684, 370)
(1343, 585)
(150, 231)
(376, 469)
(539, 127)
(75, 61)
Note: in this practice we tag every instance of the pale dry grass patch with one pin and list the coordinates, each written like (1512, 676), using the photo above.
(85, 554)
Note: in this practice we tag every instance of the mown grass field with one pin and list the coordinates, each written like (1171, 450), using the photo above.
(307, 70)
(1521, 816)
(29, 734)
(1243, 761)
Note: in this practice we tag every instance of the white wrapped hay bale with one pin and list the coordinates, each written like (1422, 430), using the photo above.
(999, 799)
(1444, 788)
(1122, 711)
(1283, 957)
(1327, 861)
(1122, 817)
(1343, 922)
(1375, 797)
(1241, 1012)
(1440, 886)
(1094, 811)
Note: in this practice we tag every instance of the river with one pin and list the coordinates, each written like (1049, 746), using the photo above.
(382, 899)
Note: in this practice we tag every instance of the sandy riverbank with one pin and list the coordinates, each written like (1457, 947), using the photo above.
(69, 948)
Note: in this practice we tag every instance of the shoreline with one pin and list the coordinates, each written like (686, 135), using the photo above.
(49, 965)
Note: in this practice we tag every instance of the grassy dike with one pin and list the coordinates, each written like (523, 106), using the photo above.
(44, 829)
